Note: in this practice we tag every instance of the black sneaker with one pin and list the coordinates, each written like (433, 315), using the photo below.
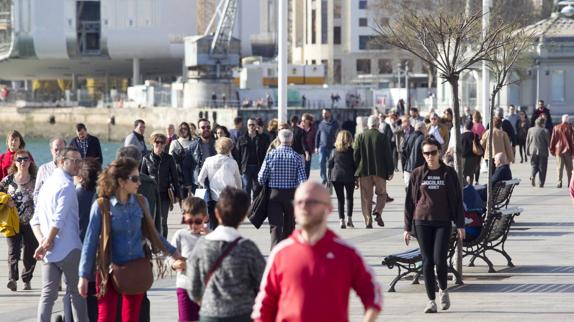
(389, 199)
(12, 285)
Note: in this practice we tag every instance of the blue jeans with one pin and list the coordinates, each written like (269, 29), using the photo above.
(323, 158)
(249, 179)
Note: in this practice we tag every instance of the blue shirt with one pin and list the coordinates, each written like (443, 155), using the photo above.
(57, 206)
(126, 234)
(283, 168)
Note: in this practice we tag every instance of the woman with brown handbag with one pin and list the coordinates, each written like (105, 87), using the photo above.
(120, 228)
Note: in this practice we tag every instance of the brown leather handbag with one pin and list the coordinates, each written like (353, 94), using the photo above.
(133, 277)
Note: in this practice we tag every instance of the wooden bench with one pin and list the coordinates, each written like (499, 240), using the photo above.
(410, 262)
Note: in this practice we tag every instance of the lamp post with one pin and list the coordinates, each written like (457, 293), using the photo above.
(282, 61)
(485, 72)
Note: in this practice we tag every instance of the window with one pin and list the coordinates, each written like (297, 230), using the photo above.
(385, 66)
(337, 8)
(372, 43)
(324, 22)
(362, 4)
(363, 22)
(363, 66)
(337, 35)
(325, 63)
(557, 85)
(313, 62)
(313, 26)
(407, 62)
(337, 71)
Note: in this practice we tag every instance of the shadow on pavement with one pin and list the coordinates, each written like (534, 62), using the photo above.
(514, 288)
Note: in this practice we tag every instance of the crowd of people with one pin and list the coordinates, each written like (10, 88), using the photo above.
(88, 223)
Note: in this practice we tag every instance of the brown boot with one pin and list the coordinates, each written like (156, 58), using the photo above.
(379, 219)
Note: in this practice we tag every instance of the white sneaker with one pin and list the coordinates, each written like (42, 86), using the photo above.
(431, 307)
(444, 299)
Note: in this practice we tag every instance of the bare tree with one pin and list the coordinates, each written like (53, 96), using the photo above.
(450, 39)
(501, 62)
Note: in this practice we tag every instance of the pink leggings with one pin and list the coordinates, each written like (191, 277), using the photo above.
(107, 305)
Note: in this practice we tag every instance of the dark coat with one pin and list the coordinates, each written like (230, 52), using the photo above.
(162, 169)
(94, 148)
(501, 173)
(466, 140)
(537, 113)
(509, 129)
(241, 151)
(372, 154)
(412, 151)
(299, 144)
(341, 166)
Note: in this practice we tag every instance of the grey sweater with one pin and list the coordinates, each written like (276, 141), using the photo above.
(234, 285)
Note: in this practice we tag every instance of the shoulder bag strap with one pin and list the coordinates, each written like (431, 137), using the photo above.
(219, 260)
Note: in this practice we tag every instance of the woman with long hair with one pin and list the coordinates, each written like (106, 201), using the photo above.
(341, 167)
(129, 226)
(273, 128)
(433, 203)
(19, 184)
(14, 142)
(177, 150)
(478, 129)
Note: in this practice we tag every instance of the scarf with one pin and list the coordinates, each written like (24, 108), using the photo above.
(149, 233)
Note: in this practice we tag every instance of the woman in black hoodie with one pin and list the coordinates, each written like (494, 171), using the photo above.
(341, 167)
(432, 204)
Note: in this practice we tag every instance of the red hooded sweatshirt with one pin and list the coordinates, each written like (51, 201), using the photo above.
(6, 160)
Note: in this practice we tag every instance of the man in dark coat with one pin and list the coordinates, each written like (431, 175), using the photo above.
(249, 153)
(411, 151)
(374, 162)
(545, 112)
(88, 145)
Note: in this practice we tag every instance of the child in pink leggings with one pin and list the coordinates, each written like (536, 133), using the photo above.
(194, 214)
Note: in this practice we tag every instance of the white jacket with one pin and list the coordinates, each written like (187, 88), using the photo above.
(222, 171)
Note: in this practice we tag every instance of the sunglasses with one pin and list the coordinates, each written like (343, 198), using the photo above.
(193, 221)
(250, 124)
(134, 179)
(22, 159)
(429, 153)
(208, 127)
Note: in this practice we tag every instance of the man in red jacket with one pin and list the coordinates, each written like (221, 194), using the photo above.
(309, 275)
(562, 147)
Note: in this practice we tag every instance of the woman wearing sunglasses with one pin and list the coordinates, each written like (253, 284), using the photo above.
(161, 167)
(19, 184)
(14, 142)
(433, 203)
(123, 227)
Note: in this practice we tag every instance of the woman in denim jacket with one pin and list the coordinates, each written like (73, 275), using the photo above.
(119, 184)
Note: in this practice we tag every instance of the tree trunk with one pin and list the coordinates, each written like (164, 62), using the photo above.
(453, 81)
(489, 199)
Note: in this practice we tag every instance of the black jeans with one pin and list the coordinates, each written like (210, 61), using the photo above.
(539, 166)
(162, 210)
(433, 242)
(25, 240)
(280, 214)
(339, 190)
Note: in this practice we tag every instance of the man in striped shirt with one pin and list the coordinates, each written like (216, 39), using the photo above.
(282, 171)
(309, 276)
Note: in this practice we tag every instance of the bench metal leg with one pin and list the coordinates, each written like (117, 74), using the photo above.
(486, 260)
(396, 280)
(505, 254)
(416, 278)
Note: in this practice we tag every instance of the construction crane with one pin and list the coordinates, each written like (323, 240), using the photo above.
(214, 54)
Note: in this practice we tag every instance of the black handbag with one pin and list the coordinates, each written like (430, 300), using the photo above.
(257, 212)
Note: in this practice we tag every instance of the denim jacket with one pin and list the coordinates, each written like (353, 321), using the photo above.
(126, 235)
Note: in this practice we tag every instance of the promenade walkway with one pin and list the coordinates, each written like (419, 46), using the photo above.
(540, 287)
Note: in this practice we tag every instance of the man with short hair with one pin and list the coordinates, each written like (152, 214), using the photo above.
(88, 145)
(412, 152)
(325, 141)
(309, 276)
(374, 163)
(562, 147)
(46, 169)
(56, 226)
(298, 137)
(250, 150)
(137, 137)
(414, 116)
(282, 171)
(542, 111)
(238, 130)
(507, 127)
(310, 131)
(537, 144)
(200, 149)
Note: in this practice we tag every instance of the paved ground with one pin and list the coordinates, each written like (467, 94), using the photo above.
(540, 287)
